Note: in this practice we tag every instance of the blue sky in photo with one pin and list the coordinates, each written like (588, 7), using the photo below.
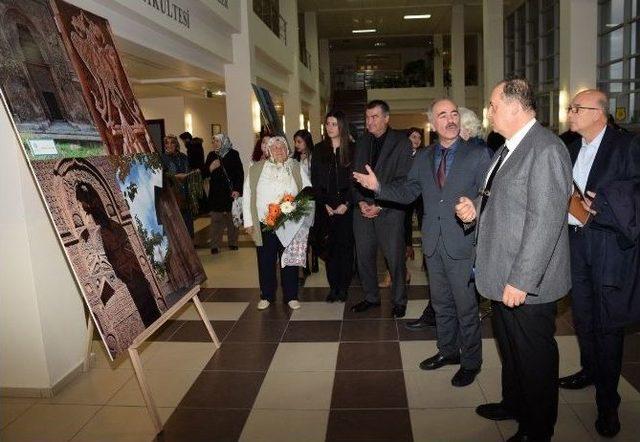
(143, 204)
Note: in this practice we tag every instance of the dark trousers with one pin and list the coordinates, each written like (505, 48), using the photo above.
(529, 354)
(600, 347)
(453, 297)
(387, 232)
(268, 255)
(339, 264)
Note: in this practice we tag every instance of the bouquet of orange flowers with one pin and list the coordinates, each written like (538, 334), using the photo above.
(289, 208)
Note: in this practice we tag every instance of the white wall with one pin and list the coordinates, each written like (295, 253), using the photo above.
(171, 109)
(42, 322)
(205, 112)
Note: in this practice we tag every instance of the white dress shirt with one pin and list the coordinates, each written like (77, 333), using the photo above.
(275, 180)
(582, 167)
(512, 143)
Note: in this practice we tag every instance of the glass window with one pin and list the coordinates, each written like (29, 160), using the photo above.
(537, 58)
(611, 45)
(613, 13)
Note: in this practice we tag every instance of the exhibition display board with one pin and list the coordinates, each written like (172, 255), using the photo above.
(99, 173)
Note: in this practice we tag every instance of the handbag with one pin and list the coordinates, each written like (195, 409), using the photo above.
(236, 212)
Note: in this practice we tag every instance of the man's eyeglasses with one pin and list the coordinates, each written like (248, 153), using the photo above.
(576, 108)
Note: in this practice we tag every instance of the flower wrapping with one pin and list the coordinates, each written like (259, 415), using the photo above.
(289, 208)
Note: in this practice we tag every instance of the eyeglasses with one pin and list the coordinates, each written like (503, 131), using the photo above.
(576, 108)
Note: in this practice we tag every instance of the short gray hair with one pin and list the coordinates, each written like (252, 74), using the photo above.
(520, 90)
(470, 122)
(433, 103)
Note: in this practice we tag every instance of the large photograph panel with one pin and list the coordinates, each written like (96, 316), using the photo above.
(41, 87)
(120, 229)
(106, 88)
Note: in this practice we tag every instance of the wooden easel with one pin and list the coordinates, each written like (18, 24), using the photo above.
(192, 295)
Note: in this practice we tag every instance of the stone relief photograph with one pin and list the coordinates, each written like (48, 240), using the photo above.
(100, 175)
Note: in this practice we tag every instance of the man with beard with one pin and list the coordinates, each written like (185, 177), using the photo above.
(443, 172)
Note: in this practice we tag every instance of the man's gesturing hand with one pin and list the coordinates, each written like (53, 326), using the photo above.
(465, 210)
(367, 180)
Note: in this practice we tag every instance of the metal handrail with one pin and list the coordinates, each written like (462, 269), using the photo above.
(269, 13)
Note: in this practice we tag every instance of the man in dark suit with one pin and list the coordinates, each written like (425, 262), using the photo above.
(443, 172)
(522, 257)
(379, 223)
(601, 156)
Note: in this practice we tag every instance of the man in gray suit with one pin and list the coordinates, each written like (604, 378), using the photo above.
(379, 223)
(522, 261)
(443, 172)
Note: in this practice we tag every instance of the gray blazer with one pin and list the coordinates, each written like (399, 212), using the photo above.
(523, 239)
(464, 179)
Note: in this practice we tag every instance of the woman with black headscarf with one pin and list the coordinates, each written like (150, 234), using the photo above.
(224, 168)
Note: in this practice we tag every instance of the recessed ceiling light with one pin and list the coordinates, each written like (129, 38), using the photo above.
(612, 25)
(363, 31)
(380, 43)
(416, 16)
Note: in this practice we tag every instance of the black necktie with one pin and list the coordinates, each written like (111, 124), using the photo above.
(487, 188)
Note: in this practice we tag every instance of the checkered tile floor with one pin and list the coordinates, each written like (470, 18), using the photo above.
(321, 373)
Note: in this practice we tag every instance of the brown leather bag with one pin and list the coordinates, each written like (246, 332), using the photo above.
(575, 206)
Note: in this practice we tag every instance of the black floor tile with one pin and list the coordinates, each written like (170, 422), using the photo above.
(369, 426)
(204, 425)
(424, 334)
(312, 331)
(276, 311)
(369, 389)
(631, 372)
(369, 330)
(223, 389)
(242, 357)
(195, 331)
(257, 331)
(369, 356)
(234, 295)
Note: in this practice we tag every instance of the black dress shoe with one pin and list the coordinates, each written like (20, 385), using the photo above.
(464, 377)
(399, 311)
(576, 381)
(608, 424)
(438, 361)
(364, 305)
(495, 412)
(215, 251)
(332, 296)
(421, 323)
(342, 295)
(233, 247)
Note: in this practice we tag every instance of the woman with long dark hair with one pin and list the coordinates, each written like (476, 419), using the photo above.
(331, 171)
(260, 151)
(303, 148)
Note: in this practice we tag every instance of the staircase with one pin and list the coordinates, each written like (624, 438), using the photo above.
(353, 104)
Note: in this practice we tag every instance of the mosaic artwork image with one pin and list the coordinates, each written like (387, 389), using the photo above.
(100, 175)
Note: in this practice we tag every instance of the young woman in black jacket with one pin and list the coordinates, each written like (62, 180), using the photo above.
(224, 168)
(332, 182)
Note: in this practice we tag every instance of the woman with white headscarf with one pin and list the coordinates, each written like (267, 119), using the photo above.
(267, 181)
(224, 168)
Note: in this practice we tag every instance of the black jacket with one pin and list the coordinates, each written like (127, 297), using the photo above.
(614, 249)
(393, 164)
(224, 180)
(332, 183)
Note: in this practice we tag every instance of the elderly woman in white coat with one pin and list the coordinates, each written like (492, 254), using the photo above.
(267, 181)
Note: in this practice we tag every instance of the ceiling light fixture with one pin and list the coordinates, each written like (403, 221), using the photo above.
(417, 16)
(363, 31)
(380, 44)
